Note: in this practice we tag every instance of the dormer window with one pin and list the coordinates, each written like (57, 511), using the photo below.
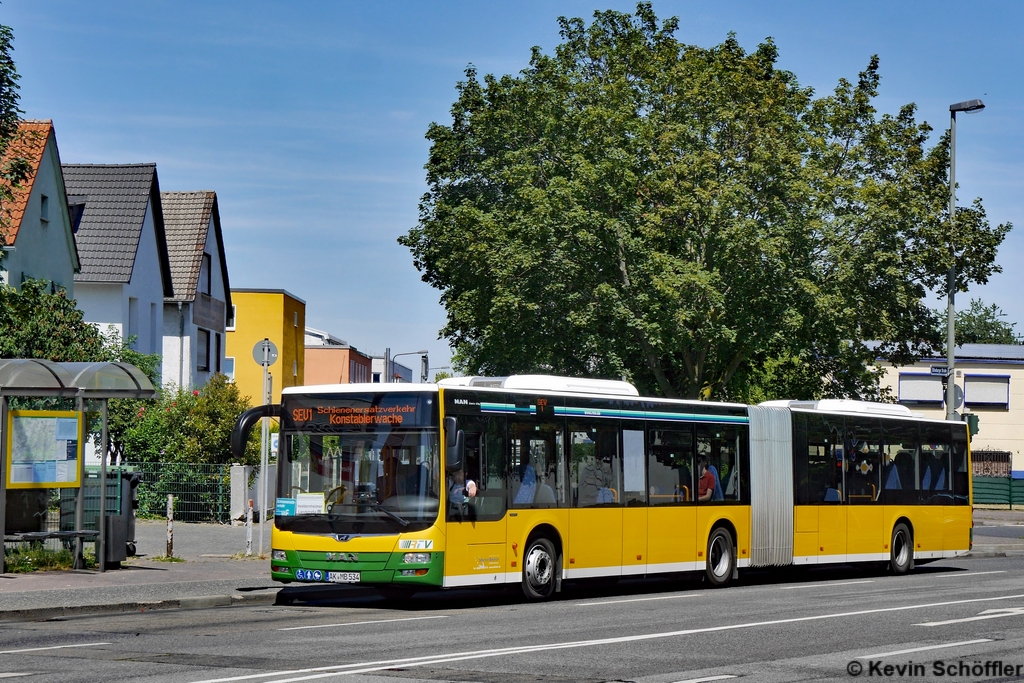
(44, 208)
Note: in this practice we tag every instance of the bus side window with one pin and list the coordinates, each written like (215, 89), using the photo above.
(537, 464)
(863, 460)
(484, 465)
(824, 455)
(959, 465)
(900, 463)
(634, 480)
(670, 466)
(720, 446)
(936, 447)
(596, 470)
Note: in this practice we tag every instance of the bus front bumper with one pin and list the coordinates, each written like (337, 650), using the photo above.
(305, 566)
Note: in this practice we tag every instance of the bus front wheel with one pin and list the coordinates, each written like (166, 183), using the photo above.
(539, 567)
(721, 560)
(901, 550)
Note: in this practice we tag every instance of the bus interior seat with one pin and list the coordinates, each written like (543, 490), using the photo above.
(730, 486)
(833, 496)
(892, 479)
(545, 495)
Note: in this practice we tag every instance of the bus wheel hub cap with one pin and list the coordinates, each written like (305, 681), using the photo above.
(538, 567)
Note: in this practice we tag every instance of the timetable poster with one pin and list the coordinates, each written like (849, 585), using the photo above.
(44, 448)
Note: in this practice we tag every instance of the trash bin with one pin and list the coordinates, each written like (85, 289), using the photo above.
(121, 504)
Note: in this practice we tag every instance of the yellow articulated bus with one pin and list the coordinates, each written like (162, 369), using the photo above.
(531, 480)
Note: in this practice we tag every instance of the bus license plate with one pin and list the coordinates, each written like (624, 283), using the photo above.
(343, 577)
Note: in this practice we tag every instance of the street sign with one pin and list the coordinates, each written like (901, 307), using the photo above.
(257, 352)
(940, 370)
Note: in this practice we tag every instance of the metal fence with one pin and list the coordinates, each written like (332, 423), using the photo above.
(991, 463)
(202, 493)
(998, 491)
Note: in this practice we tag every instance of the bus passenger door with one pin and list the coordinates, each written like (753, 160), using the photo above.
(671, 517)
(475, 507)
(595, 485)
(634, 512)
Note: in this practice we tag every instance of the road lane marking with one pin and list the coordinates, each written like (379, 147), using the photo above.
(616, 602)
(369, 667)
(708, 678)
(826, 585)
(987, 614)
(15, 675)
(360, 623)
(52, 647)
(922, 649)
(946, 576)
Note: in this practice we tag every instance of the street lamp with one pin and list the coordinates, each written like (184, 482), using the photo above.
(968, 107)
(391, 374)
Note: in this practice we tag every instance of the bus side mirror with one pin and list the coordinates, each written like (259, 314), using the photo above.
(450, 427)
(456, 454)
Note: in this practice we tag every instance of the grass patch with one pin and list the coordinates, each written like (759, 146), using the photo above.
(164, 558)
(25, 559)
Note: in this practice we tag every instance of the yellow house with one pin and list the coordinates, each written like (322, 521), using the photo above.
(272, 314)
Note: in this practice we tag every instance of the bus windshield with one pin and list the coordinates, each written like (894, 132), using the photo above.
(356, 464)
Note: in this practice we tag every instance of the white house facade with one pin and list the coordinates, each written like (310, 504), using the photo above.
(196, 315)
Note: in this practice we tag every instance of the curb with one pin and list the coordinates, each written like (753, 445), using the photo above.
(265, 597)
(996, 551)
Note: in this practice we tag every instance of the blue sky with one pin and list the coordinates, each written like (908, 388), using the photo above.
(308, 118)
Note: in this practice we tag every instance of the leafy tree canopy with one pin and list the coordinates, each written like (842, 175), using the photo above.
(690, 218)
(980, 324)
(14, 168)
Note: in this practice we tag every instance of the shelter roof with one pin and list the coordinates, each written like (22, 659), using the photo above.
(36, 377)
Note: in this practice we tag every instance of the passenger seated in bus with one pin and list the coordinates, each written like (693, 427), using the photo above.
(528, 486)
(706, 480)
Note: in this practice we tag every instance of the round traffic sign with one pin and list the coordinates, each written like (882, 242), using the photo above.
(267, 346)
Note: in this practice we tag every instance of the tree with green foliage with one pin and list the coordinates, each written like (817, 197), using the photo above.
(36, 322)
(189, 426)
(980, 324)
(15, 168)
(692, 219)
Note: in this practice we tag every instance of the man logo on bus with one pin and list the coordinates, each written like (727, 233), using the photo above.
(542, 403)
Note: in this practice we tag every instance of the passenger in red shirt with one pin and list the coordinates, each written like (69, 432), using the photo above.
(706, 481)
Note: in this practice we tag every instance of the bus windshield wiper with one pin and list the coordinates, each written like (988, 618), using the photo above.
(380, 508)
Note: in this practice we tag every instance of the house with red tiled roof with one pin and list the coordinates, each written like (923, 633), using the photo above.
(38, 240)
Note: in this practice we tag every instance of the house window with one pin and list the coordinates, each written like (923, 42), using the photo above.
(295, 368)
(133, 322)
(154, 338)
(229, 368)
(216, 351)
(205, 277)
(203, 350)
(44, 208)
(917, 388)
(296, 318)
(230, 326)
(987, 391)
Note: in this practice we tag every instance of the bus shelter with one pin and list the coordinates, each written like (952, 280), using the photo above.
(82, 382)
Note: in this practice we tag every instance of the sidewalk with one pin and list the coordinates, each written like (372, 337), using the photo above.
(213, 573)
(998, 532)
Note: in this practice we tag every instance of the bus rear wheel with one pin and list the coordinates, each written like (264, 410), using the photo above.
(901, 550)
(721, 559)
(540, 564)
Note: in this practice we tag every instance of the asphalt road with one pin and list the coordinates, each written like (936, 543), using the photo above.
(770, 627)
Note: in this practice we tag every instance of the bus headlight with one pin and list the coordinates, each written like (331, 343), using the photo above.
(279, 555)
(416, 558)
